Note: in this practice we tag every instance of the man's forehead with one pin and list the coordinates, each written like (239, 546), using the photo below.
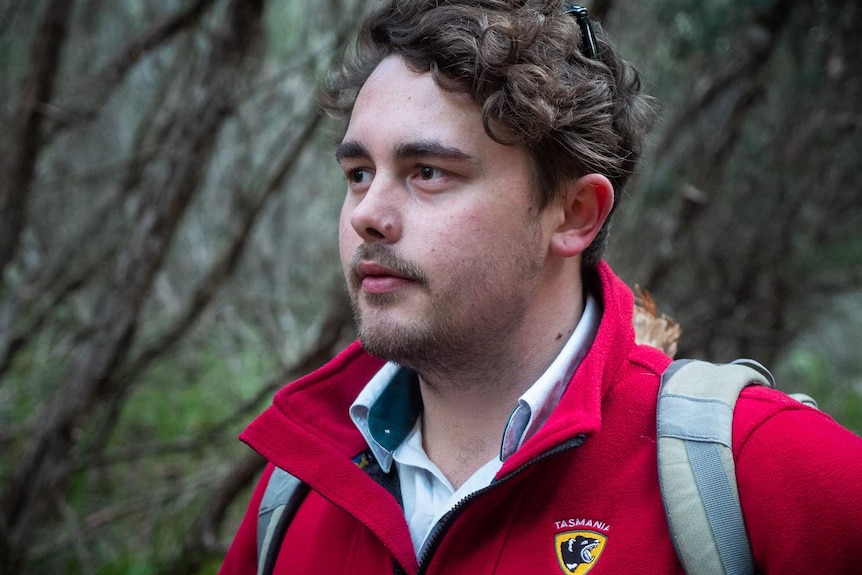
(404, 114)
(394, 86)
(393, 78)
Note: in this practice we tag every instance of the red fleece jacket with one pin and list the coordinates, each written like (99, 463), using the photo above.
(589, 472)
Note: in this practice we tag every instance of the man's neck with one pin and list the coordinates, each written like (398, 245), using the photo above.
(465, 412)
(461, 431)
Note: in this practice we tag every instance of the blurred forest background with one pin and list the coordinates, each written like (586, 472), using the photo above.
(168, 251)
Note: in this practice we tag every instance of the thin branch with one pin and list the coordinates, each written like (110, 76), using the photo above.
(22, 145)
(76, 533)
(222, 269)
(7, 14)
(112, 75)
(152, 38)
(204, 541)
(761, 47)
(331, 332)
(240, 475)
(225, 264)
(54, 279)
(37, 318)
(140, 504)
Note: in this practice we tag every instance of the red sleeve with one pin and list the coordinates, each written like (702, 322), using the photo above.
(800, 484)
(241, 558)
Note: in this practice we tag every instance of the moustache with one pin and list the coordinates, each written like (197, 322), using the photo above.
(384, 256)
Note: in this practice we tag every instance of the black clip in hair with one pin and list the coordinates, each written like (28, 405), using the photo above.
(588, 40)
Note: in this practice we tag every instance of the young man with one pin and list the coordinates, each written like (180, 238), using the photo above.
(497, 416)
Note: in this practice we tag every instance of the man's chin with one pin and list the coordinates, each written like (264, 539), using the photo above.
(378, 300)
(391, 342)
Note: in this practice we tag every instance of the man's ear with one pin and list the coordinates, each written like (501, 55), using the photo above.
(587, 202)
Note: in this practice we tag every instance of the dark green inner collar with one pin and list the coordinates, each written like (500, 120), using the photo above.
(394, 414)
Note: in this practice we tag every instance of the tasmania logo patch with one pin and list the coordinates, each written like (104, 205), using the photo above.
(578, 551)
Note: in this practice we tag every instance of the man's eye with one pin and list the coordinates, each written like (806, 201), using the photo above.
(429, 173)
(359, 176)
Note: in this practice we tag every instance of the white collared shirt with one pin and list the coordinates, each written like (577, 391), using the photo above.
(426, 493)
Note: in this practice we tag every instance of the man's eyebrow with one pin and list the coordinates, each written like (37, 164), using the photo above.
(430, 149)
(350, 150)
(422, 149)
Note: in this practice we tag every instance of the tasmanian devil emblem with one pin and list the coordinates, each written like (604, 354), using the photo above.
(577, 551)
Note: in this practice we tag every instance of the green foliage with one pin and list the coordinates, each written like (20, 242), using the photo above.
(824, 361)
(815, 373)
(189, 394)
(143, 496)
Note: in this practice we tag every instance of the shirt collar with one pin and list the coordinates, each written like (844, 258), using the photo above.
(536, 404)
(386, 409)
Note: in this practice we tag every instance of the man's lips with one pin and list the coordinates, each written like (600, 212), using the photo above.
(375, 278)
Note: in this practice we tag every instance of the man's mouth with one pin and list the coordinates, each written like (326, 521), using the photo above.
(375, 278)
(366, 269)
(376, 269)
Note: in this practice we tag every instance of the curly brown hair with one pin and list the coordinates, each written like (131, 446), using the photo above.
(520, 63)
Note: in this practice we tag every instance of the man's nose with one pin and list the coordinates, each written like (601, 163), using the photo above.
(377, 215)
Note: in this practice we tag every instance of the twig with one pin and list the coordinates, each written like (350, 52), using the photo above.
(112, 75)
(22, 145)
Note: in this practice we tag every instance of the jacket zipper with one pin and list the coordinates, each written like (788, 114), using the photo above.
(447, 520)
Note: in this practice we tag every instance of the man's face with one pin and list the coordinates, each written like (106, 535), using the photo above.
(441, 243)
